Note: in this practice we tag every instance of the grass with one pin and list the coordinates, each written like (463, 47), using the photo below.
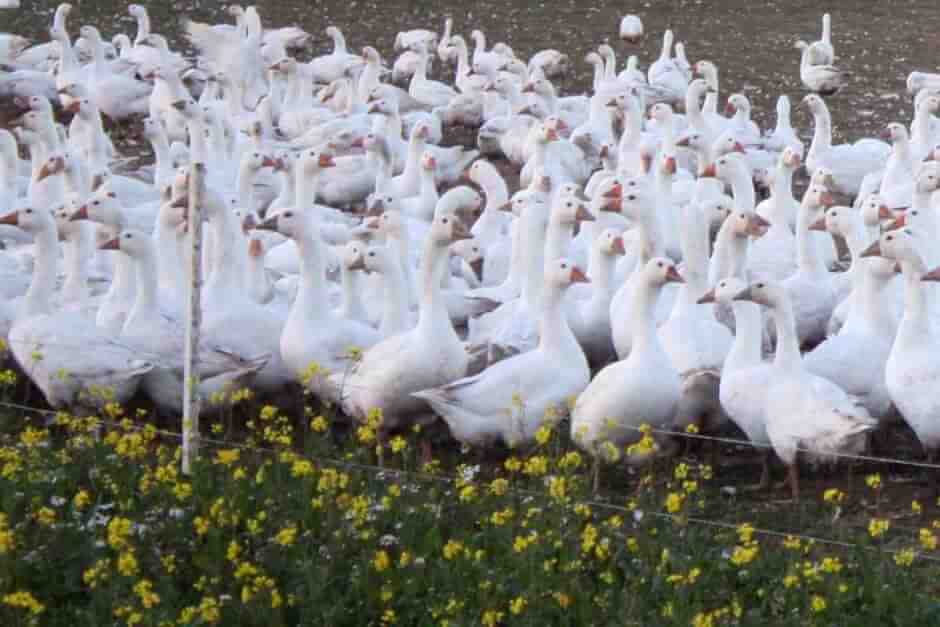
(289, 521)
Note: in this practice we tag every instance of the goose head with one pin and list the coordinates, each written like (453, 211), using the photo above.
(698, 88)
(899, 245)
(727, 167)
(31, 220)
(594, 60)
(291, 223)
(631, 29)
(874, 211)
(928, 179)
(610, 242)
(102, 206)
(894, 133)
(816, 198)
(708, 71)
(55, 164)
(659, 270)
(724, 291)
(767, 293)
(815, 105)
(378, 259)
(736, 103)
(462, 201)
(91, 34)
(746, 223)
(353, 256)
(636, 200)
(134, 244)
(563, 272)
(428, 162)
(447, 229)
(727, 143)
(312, 162)
(472, 253)
(569, 210)
(717, 210)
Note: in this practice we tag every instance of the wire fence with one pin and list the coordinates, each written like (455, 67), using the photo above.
(382, 472)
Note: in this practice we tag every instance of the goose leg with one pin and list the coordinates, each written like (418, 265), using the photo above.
(597, 475)
(793, 478)
(427, 453)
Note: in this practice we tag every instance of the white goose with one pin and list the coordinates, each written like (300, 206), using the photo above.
(511, 400)
(47, 343)
(427, 356)
(849, 163)
(315, 343)
(912, 363)
(644, 387)
(804, 412)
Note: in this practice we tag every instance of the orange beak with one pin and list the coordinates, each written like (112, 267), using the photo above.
(551, 134)
(825, 199)
(326, 161)
(81, 214)
(818, 225)
(74, 107)
(709, 172)
(372, 223)
(899, 223)
(757, 226)
(255, 249)
(111, 244)
(730, 109)
(460, 231)
(618, 246)
(528, 88)
(670, 165)
(616, 191)
(578, 276)
(673, 276)
(872, 251)
(613, 204)
(583, 215)
(268, 162)
(11, 219)
(359, 142)
(708, 297)
(933, 275)
(738, 147)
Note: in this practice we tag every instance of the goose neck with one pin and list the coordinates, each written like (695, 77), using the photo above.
(353, 306)
(533, 244)
(746, 349)
(38, 298)
(432, 310)
(642, 319)
(807, 250)
(394, 300)
(311, 295)
(822, 134)
(742, 188)
(554, 333)
(788, 356)
(146, 300)
(915, 323)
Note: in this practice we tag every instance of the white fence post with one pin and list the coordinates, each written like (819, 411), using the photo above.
(197, 173)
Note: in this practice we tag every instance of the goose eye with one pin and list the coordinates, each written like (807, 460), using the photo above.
(564, 266)
(760, 286)
(889, 238)
(29, 211)
(96, 203)
(289, 214)
(372, 254)
(129, 236)
(660, 264)
(445, 220)
(631, 197)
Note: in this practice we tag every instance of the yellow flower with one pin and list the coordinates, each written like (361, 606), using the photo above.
(792, 543)
(673, 502)
(201, 526)
(562, 599)
(127, 564)
(570, 460)
(517, 606)
(745, 532)
(144, 590)
(468, 494)
(491, 618)
(381, 561)
(536, 466)
(319, 424)
(301, 468)
(499, 487)
(833, 495)
(182, 490)
(916, 507)
(873, 481)
(904, 557)
(399, 444)
(927, 540)
(878, 527)
(818, 603)
(389, 617)
(681, 472)
(513, 464)
(557, 488)
(404, 559)
(118, 531)
(45, 516)
(743, 555)
(543, 435)
(791, 581)
(831, 565)
(227, 457)
(452, 549)
(24, 600)
(286, 536)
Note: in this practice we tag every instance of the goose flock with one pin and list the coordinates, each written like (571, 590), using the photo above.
(630, 256)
